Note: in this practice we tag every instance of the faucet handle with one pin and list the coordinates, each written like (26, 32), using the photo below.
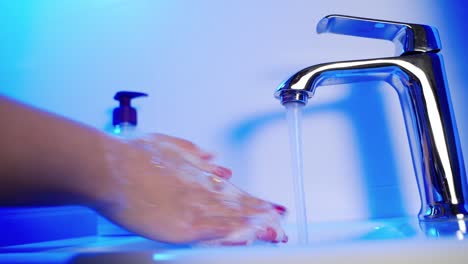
(408, 38)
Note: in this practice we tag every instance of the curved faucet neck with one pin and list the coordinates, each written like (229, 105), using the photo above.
(420, 82)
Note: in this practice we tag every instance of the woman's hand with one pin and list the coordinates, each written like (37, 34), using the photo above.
(159, 187)
(168, 190)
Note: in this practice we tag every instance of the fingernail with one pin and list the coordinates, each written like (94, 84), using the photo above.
(285, 239)
(280, 209)
(222, 172)
(206, 156)
(267, 235)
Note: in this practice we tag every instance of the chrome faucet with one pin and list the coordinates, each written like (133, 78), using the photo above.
(417, 74)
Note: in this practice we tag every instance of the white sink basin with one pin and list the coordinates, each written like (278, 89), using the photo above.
(378, 241)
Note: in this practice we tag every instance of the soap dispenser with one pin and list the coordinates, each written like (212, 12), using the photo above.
(124, 117)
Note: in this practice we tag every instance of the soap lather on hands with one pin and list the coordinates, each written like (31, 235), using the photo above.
(169, 190)
(160, 187)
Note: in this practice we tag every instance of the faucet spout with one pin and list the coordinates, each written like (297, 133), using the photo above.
(419, 80)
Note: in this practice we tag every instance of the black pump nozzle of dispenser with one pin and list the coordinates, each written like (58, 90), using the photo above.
(124, 116)
(125, 113)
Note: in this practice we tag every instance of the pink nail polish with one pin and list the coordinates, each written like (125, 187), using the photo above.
(223, 172)
(206, 156)
(267, 235)
(280, 209)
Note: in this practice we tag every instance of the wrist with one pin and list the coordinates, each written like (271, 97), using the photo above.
(97, 185)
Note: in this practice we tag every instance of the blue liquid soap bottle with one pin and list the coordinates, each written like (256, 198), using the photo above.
(124, 117)
(124, 121)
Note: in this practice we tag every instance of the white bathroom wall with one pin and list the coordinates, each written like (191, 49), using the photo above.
(211, 67)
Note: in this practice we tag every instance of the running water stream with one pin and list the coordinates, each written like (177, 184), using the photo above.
(294, 116)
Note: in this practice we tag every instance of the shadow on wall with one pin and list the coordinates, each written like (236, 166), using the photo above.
(364, 107)
(455, 17)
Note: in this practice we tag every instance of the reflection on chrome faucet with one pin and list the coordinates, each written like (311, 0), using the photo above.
(417, 74)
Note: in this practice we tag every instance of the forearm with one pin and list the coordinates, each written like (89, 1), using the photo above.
(49, 160)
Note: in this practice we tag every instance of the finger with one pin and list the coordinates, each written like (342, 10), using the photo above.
(228, 206)
(234, 243)
(188, 146)
(189, 152)
(217, 170)
(182, 143)
(258, 204)
(209, 167)
(271, 235)
(251, 201)
(222, 172)
(216, 227)
(157, 140)
(281, 210)
(268, 234)
(224, 198)
(218, 204)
